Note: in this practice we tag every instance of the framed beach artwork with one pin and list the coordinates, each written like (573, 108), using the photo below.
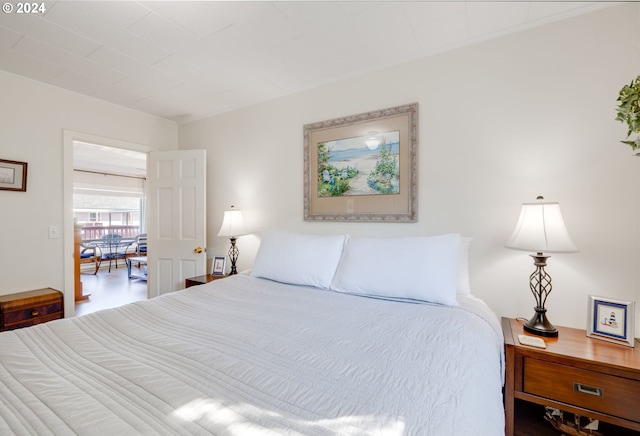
(13, 175)
(611, 320)
(362, 167)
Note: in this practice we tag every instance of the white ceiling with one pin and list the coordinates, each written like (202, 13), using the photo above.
(185, 60)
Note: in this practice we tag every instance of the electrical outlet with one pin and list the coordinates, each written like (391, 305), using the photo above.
(350, 205)
(54, 232)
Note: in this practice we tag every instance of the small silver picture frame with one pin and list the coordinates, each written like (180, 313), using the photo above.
(611, 320)
(219, 266)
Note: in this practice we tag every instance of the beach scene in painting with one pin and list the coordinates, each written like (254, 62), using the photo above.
(363, 165)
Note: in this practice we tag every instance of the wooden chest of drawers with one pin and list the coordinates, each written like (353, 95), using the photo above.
(25, 309)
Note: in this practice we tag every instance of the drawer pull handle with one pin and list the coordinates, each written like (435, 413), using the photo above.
(589, 390)
(34, 312)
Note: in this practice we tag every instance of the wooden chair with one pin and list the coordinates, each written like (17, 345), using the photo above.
(91, 254)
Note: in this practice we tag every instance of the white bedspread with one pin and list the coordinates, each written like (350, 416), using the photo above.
(246, 356)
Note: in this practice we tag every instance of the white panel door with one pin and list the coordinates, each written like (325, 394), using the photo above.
(176, 214)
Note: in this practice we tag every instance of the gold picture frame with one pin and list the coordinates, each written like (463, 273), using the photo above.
(13, 175)
(363, 167)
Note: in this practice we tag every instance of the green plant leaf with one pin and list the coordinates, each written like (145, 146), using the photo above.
(628, 110)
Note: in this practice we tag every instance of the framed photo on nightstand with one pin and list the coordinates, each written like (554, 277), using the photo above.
(611, 320)
(219, 265)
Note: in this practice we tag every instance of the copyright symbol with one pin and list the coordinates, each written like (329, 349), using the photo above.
(7, 8)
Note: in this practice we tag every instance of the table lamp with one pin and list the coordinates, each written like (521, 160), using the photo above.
(541, 229)
(233, 226)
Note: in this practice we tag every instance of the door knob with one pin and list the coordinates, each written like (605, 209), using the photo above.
(197, 250)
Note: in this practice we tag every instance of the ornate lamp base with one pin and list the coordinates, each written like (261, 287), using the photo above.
(540, 325)
(540, 285)
(233, 255)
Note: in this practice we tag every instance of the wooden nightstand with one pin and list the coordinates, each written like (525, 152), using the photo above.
(576, 374)
(201, 280)
(25, 309)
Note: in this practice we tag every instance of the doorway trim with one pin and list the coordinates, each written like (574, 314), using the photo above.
(68, 138)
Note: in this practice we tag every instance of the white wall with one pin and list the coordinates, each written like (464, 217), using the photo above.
(33, 117)
(500, 123)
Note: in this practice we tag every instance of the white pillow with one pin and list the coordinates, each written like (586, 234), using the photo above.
(298, 259)
(464, 286)
(416, 268)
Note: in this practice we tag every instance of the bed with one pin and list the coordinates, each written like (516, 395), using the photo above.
(250, 355)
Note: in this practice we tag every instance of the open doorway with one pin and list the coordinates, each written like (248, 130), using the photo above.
(109, 213)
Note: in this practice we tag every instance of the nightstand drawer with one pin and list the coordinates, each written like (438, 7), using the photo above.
(592, 390)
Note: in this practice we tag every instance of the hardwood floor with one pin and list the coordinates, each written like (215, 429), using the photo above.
(110, 289)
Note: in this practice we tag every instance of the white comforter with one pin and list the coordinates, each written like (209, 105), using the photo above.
(246, 356)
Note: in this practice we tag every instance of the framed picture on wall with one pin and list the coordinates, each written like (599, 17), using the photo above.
(611, 320)
(219, 265)
(13, 175)
(363, 167)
